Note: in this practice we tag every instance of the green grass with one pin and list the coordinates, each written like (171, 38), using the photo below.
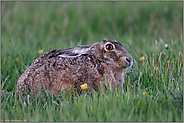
(27, 27)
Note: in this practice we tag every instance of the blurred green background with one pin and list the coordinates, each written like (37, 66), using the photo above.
(90, 21)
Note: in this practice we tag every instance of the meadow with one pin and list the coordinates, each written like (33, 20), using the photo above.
(150, 31)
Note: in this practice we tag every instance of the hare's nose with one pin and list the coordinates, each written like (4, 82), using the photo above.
(129, 61)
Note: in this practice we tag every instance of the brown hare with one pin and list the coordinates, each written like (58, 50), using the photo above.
(57, 70)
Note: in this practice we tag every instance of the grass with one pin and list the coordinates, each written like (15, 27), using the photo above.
(153, 89)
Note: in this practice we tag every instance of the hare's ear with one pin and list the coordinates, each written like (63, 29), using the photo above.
(77, 51)
(84, 51)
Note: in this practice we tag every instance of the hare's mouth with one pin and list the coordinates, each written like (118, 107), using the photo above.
(125, 62)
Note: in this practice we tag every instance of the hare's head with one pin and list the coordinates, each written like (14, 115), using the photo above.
(112, 52)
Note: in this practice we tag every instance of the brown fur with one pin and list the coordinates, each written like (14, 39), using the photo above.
(57, 70)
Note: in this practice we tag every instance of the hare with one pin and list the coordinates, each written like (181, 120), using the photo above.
(60, 69)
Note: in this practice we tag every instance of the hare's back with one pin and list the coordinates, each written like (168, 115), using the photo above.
(80, 69)
(53, 72)
(63, 72)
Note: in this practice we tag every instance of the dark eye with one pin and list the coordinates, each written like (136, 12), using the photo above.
(109, 47)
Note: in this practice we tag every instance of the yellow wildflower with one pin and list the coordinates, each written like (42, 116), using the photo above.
(84, 86)
(141, 58)
(151, 75)
(41, 51)
(17, 59)
(144, 93)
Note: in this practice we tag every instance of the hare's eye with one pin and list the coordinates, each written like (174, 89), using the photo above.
(109, 47)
